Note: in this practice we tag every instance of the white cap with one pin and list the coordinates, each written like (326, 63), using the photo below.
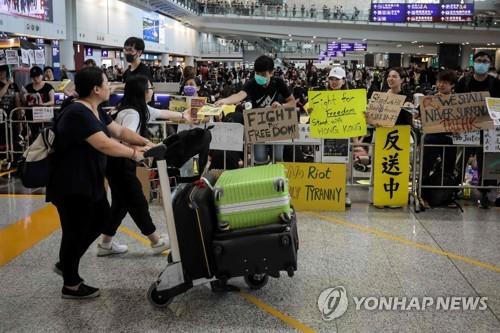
(337, 72)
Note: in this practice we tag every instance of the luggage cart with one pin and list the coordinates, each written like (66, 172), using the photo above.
(175, 278)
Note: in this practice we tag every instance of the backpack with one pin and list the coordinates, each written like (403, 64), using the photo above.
(34, 166)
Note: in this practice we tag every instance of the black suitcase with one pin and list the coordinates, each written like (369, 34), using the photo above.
(256, 253)
(195, 221)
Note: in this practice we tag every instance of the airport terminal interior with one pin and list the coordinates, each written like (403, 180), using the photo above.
(249, 166)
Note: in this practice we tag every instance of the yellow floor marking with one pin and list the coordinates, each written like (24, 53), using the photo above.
(24, 234)
(275, 313)
(140, 238)
(22, 196)
(252, 299)
(407, 242)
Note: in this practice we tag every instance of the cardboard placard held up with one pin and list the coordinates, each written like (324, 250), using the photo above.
(383, 109)
(271, 124)
(455, 113)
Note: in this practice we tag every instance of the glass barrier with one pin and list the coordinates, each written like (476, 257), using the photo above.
(311, 13)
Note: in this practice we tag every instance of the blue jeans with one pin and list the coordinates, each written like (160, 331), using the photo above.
(262, 152)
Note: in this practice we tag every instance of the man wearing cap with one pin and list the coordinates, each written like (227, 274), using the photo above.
(39, 93)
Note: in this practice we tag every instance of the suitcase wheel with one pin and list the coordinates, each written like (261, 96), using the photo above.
(256, 281)
(157, 298)
(279, 184)
(285, 241)
(218, 194)
(223, 226)
(290, 271)
(286, 218)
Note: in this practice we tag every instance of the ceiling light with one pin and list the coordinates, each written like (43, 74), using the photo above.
(364, 39)
(339, 38)
(492, 43)
(399, 45)
(289, 35)
(414, 42)
(290, 39)
(314, 37)
(466, 43)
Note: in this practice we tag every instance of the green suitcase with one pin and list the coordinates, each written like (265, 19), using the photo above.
(252, 197)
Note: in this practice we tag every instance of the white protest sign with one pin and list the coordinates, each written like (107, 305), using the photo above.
(492, 140)
(43, 113)
(304, 137)
(39, 57)
(31, 56)
(467, 138)
(225, 136)
(493, 105)
(25, 57)
(12, 57)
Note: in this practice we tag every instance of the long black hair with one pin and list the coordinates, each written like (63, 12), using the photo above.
(134, 98)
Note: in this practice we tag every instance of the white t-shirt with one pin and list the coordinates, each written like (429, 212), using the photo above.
(130, 118)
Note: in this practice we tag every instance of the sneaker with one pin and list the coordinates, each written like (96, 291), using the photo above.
(82, 292)
(347, 201)
(112, 248)
(58, 269)
(162, 245)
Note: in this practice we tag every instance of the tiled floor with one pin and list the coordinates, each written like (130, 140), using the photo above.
(368, 251)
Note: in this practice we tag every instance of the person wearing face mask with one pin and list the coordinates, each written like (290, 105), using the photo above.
(126, 191)
(263, 90)
(84, 135)
(480, 80)
(133, 48)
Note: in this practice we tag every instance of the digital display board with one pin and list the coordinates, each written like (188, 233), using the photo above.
(39, 10)
(345, 47)
(151, 30)
(360, 47)
(457, 12)
(422, 12)
(388, 12)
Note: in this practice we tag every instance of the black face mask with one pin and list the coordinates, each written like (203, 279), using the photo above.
(130, 57)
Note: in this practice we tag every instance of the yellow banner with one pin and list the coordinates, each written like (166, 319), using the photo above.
(392, 166)
(338, 114)
(317, 186)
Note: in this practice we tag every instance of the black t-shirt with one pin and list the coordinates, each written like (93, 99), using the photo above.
(8, 101)
(77, 167)
(140, 70)
(261, 96)
(490, 84)
(44, 94)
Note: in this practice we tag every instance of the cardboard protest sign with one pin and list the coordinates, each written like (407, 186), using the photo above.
(383, 109)
(271, 124)
(317, 186)
(178, 103)
(455, 113)
(392, 166)
(338, 114)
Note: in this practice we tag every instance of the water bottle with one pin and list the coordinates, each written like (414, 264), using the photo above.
(468, 179)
